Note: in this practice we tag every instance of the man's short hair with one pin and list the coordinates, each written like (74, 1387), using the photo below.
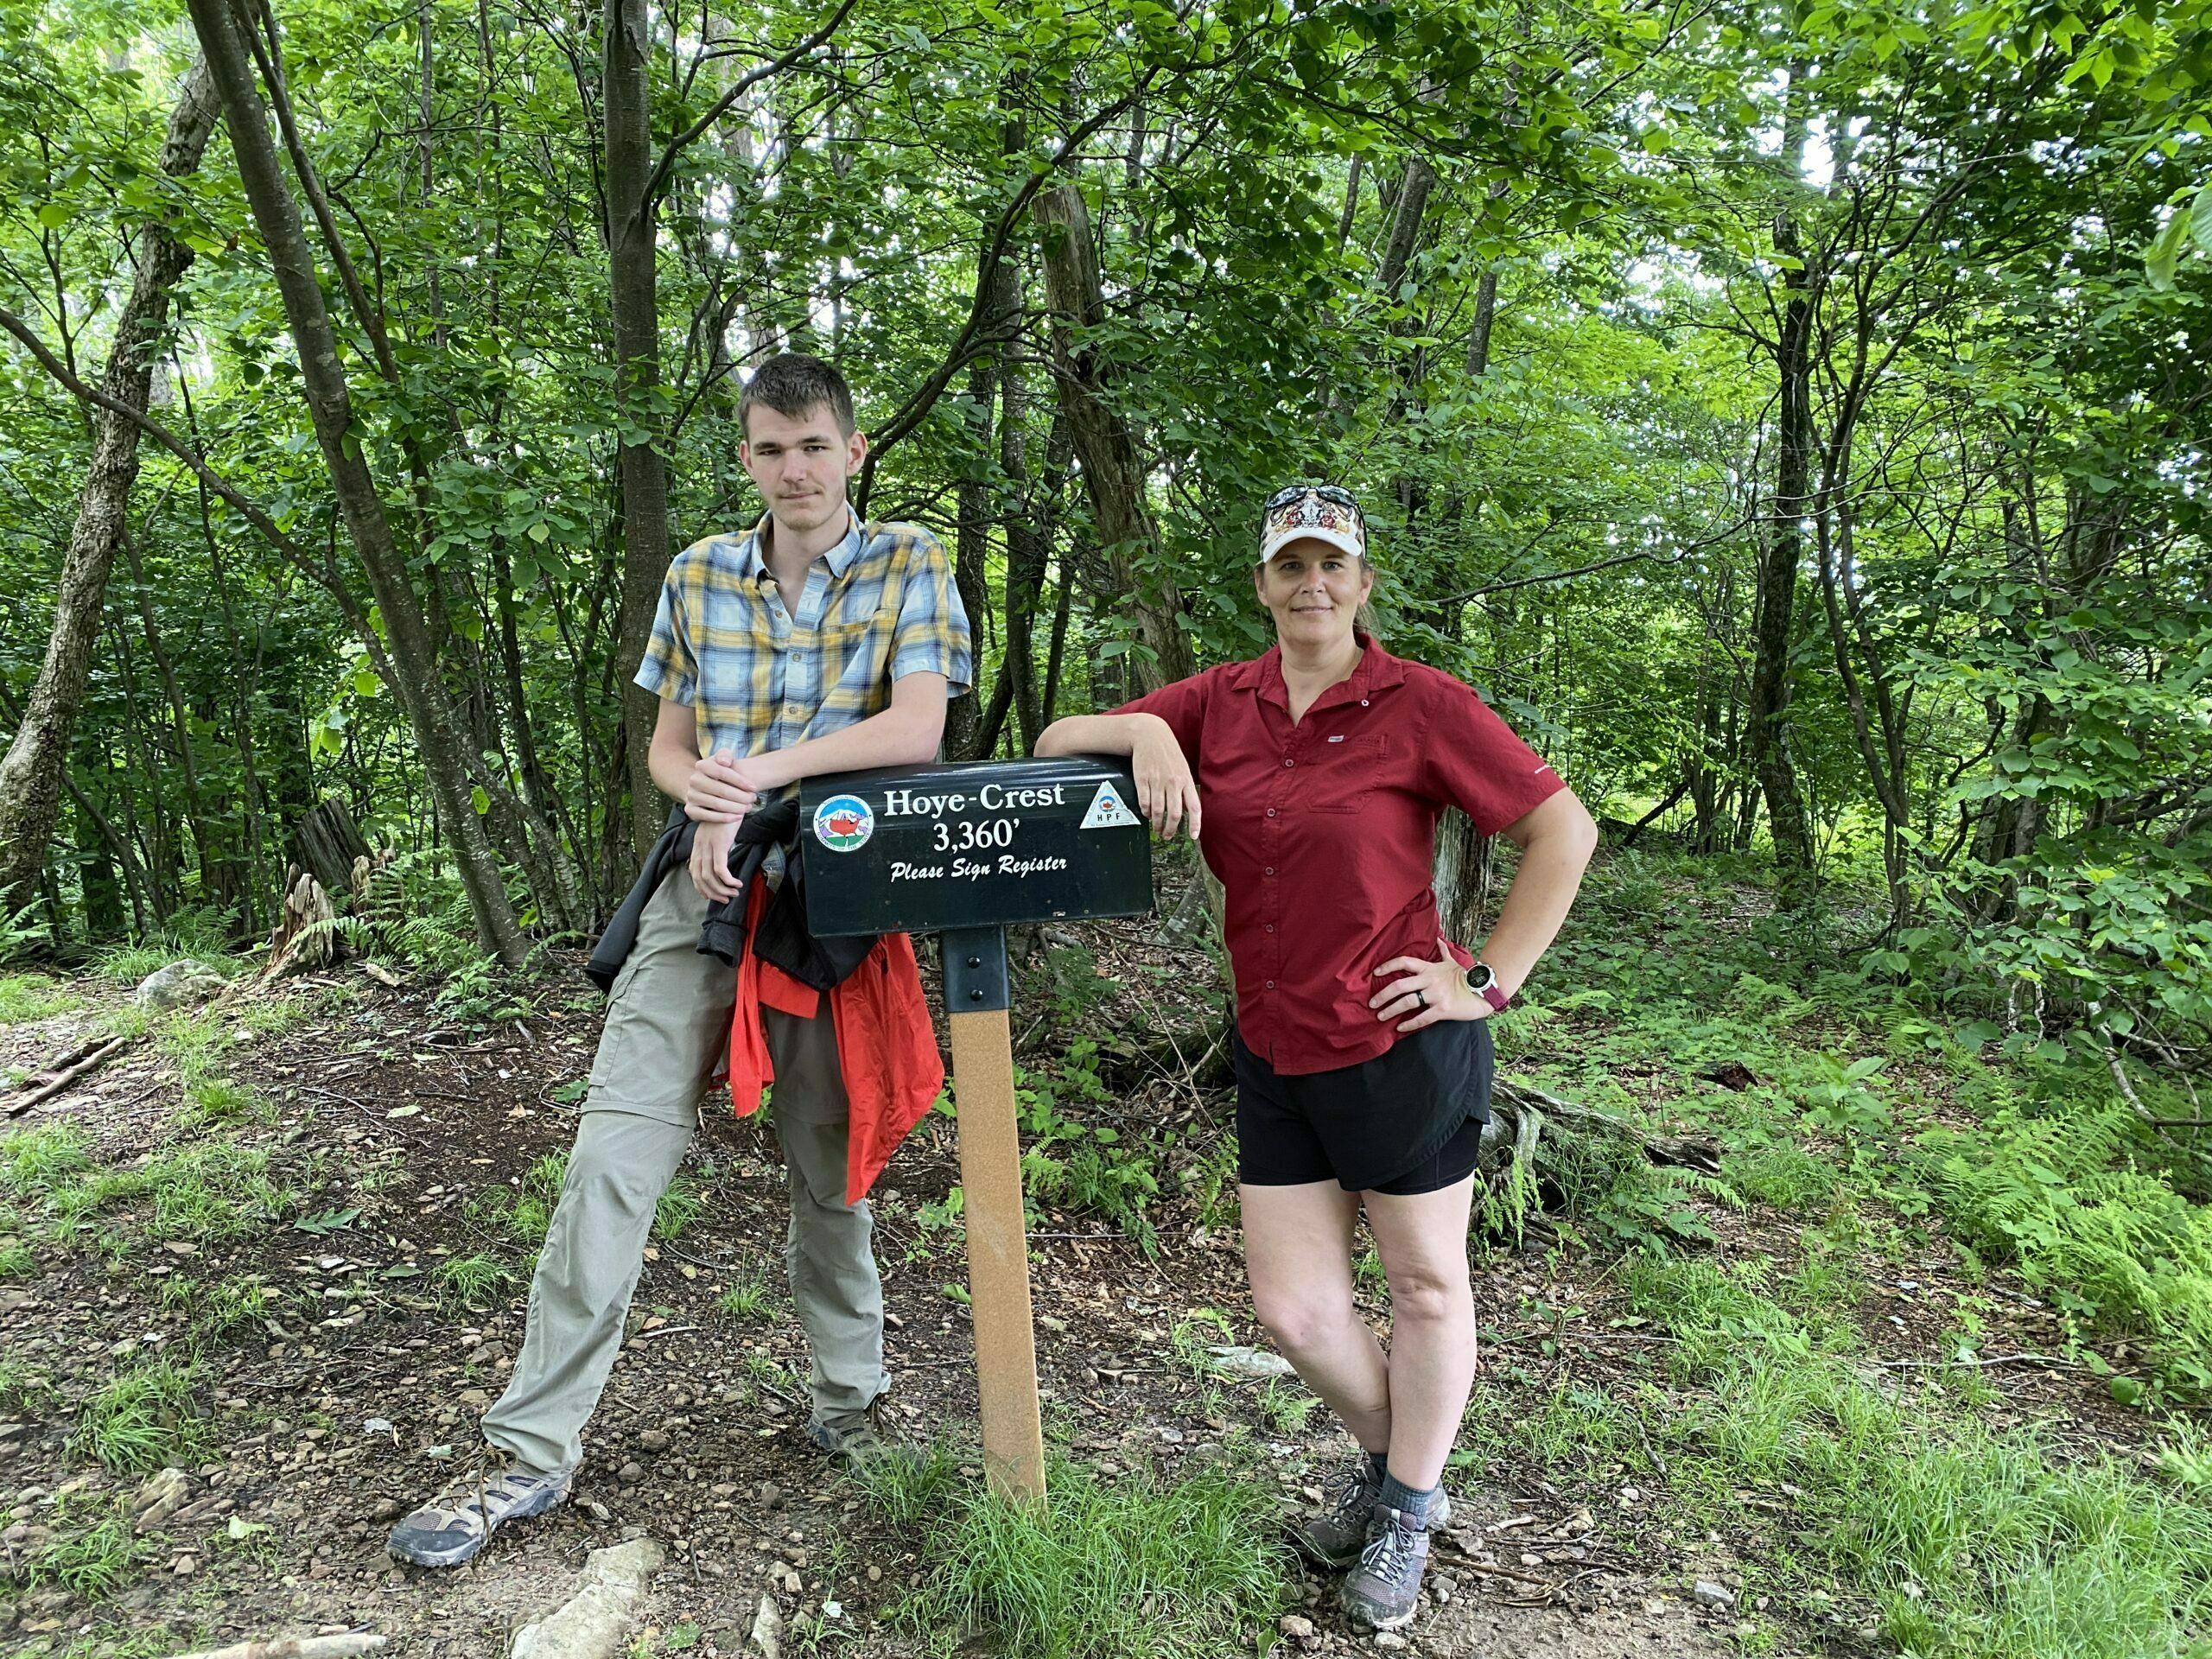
(794, 385)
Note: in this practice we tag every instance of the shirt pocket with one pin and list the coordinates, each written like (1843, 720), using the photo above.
(853, 654)
(1339, 777)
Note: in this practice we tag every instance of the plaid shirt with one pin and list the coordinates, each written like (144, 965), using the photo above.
(877, 606)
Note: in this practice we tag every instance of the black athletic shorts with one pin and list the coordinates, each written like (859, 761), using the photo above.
(1409, 1120)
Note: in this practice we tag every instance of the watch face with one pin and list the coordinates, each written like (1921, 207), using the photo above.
(1481, 976)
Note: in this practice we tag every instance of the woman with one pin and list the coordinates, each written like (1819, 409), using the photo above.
(1363, 1068)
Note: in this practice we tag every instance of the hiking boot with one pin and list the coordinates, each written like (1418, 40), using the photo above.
(451, 1530)
(1335, 1536)
(857, 1442)
(1384, 1589)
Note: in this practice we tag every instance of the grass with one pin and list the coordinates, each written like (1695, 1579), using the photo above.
(464, 1282)
(1950, 1538)
(1285, 1406)
(34, 996)
(748, 1298)
(681, 1204)
(142, 1420)
(37, 1162)
(1134, 1567)
(89, 1558)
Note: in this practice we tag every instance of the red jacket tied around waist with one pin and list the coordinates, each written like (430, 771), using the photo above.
(887, 1047)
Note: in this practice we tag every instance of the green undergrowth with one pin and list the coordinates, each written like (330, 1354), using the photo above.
(1824, 1088)
(1131, 1569)
(1867, 1502)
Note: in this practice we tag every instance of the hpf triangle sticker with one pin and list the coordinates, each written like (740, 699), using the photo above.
(1107, 811)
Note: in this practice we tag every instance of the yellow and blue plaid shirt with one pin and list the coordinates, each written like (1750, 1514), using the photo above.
(760, 675)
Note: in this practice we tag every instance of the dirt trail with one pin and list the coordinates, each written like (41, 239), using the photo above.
(357, 1397)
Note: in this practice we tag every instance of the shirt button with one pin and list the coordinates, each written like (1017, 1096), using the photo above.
(1362, 703)
(1271, 927)
(1287, 762)
(1271, 811)
(1270, 870)
(1271, 984)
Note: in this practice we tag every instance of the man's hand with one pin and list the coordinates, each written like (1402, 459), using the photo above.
(710, 849)
(1167, 794)
(719, 791)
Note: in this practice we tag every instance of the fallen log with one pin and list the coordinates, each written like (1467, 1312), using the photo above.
(59, 1081)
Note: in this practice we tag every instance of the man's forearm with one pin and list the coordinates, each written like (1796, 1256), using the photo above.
(897, 737)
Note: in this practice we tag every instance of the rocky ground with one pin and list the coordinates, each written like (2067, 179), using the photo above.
(320, 1412)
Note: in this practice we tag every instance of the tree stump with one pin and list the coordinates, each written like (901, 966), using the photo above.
(297, 946)
(330, 844)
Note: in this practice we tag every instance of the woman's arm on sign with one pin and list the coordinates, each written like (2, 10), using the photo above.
(1167, 794)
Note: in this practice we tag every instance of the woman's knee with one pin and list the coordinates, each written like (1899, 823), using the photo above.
(1298, 1319)
(1429, 1293)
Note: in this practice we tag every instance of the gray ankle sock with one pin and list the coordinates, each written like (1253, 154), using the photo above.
(1412, 1501)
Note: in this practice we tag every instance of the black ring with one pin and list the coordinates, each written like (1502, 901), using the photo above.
(1421, 998)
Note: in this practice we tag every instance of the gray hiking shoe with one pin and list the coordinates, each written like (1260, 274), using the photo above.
(1384, 1589)
(1334, 1536)
(856, 1442)
(452, 1528)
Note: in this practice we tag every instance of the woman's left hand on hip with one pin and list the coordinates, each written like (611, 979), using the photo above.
(1425, 991)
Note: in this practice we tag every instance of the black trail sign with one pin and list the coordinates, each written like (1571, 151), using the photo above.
(961, 851)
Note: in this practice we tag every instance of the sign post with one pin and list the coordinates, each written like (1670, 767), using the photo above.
(963, 851)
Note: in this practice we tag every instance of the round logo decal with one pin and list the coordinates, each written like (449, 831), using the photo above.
(843, 823)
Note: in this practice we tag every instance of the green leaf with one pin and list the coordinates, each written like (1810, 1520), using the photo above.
(2200, 219)
(2158, 262)
(55, 214)
(329, 1222)
(481, 800)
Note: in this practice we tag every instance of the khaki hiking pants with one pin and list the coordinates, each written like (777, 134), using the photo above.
(667, 1023)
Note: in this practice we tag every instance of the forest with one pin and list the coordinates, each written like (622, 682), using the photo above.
(1791, 416)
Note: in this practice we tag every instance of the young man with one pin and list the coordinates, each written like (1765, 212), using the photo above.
(812, 644)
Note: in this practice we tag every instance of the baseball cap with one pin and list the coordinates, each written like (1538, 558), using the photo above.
(1311, 512)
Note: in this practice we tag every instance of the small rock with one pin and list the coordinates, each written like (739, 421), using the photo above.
(1241, 1361)
(184, 1567)
(771, 1494)
(653, 1440)
(384, 1508)
(875, 1575)
(1295, 1626)
(1391, 1642)
(1707, 1594)
(631, 1472)
(767, 1635)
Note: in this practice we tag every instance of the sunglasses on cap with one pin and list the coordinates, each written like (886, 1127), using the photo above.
(1290, 493)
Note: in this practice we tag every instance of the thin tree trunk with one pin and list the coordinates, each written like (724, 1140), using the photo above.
(31, 777)
(429, 714)
(634, 282)
(1776, 606)
(1113, 470)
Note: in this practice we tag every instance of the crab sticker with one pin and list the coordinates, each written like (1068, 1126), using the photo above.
(843, 822)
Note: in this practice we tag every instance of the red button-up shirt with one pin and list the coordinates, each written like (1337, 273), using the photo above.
(1323, 833)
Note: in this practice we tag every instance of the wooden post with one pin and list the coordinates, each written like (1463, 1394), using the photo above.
(998, 1253)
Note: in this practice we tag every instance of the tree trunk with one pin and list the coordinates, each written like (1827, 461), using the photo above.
(413, 665)
(971, 549)
(632, 280)
(31, 777)
(1776, 605)
(1113, 472)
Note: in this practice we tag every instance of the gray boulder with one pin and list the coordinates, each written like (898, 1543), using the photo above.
(185, 982)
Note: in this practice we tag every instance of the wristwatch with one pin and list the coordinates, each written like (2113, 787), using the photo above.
(1482, 979)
